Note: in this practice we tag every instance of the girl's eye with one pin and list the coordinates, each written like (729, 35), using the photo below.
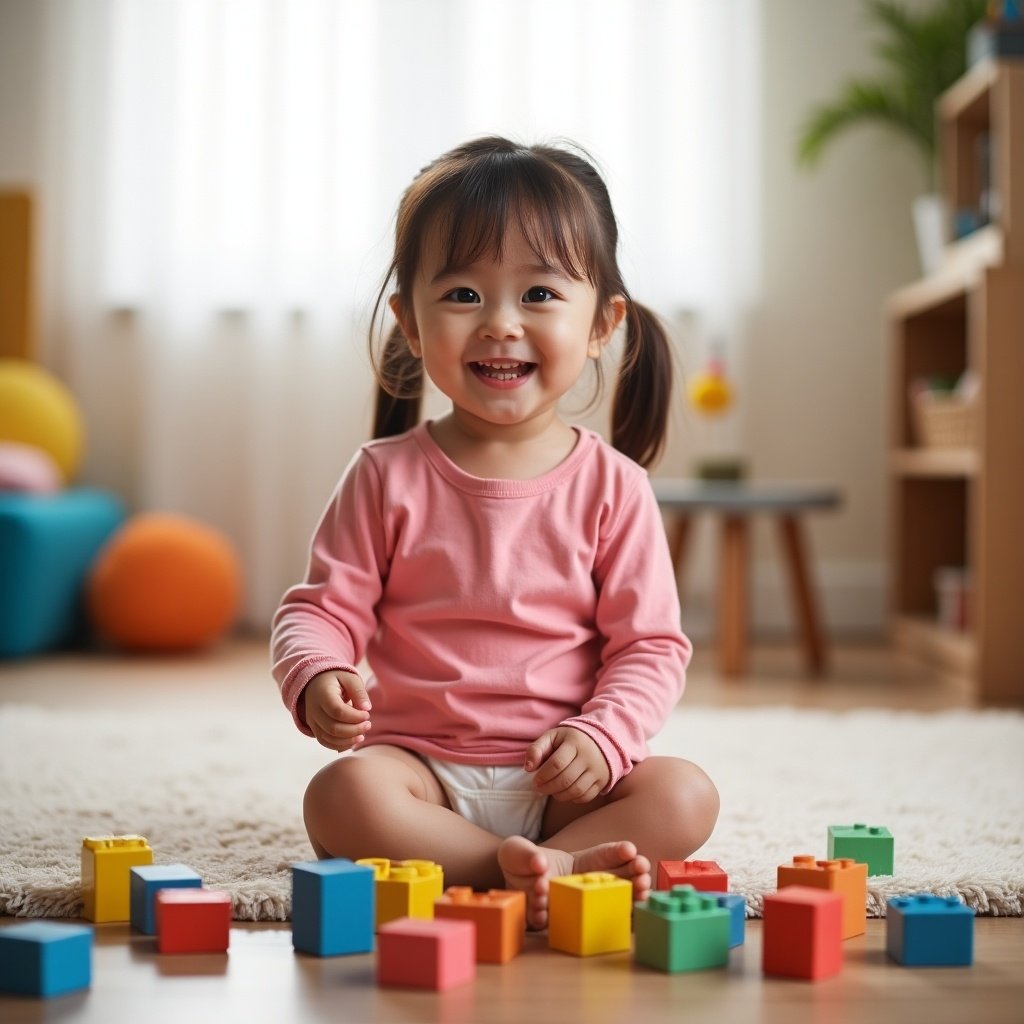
(463, 295)
(538, 294)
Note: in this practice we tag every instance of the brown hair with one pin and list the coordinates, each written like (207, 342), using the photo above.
(560, 203)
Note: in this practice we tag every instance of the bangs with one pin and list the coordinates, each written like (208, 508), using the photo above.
(475, 212)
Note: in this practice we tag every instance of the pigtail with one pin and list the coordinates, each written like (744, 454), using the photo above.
(643, 391)
(399, 387)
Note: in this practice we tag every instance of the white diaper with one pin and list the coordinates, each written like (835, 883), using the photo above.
(498, 798)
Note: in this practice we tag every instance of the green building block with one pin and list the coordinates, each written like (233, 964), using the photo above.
(681, 930)
(870, 844)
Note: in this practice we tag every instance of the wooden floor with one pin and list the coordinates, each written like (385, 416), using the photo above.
(262, 979)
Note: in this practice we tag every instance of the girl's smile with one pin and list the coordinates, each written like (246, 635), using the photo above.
(503, 373)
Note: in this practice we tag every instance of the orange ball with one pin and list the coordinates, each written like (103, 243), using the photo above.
(164, 583)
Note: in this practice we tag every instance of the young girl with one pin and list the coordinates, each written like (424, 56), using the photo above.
(505, 574)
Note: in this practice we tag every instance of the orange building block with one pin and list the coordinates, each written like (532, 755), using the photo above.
(847, 877)
(703, 875)
(499, 916)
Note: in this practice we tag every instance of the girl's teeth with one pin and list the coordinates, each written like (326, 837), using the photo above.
(503, 370)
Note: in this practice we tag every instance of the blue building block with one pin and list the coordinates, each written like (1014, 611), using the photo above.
(47, 547)
(737, 907)
(146, 881)
(929, 931)
(41, 958)
(333, 907)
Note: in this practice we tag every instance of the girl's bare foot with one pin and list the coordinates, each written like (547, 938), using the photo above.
(529, 867)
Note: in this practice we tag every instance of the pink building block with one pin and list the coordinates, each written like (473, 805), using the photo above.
(436, 954)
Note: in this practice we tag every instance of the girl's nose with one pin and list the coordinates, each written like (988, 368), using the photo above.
(501, 322)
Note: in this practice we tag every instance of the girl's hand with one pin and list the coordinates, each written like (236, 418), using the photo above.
(337, 709)
(569, 765)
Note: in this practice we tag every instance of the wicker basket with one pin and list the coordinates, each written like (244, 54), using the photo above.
(943, 420)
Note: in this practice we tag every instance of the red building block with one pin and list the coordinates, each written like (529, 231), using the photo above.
(192, 920)
(499, 916)
(802, 935)
(703, 875)
(418, 953)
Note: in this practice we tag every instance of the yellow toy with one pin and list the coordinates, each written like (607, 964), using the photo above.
(106, 875)
(405, 888)
(37, 410)
(710, 390)
(590, 914)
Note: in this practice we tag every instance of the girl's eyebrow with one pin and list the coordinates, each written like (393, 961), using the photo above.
(549, 269)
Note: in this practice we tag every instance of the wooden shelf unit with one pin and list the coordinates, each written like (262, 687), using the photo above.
(964, 507)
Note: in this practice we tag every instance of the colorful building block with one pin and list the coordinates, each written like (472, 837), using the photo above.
(333, 905)
(681, 930)
(193, 920)
(43, 958)
(703, 875)
(847, 877)
(405, 888)
(871, 844)
(923, 930)
(146, 881)
(737, 907)
(802, 935)
(416, 953)
(499, 916)
(589, 914)
(106, 863)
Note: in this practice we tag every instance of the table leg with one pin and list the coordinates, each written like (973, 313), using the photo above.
(803, 594)
(732, 608)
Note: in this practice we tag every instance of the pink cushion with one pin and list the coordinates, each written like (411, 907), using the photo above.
(26, 468)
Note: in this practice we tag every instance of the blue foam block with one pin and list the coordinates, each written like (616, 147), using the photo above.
(47, 547)
(42, 958)
(146, 881)
(737, 907)
(333, 907)
(923, 930)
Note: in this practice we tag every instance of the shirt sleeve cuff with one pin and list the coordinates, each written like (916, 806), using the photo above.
(619, 765)
(297, 681)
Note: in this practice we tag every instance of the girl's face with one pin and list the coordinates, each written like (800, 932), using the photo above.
(504, 340)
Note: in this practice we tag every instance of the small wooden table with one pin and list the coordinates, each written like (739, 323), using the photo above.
(735, 503)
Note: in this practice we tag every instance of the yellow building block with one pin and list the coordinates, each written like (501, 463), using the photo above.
(405, 888)
(106, 875)
(845, 876)
(590, 914)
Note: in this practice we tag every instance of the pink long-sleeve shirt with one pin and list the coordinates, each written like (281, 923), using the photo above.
(491, 610)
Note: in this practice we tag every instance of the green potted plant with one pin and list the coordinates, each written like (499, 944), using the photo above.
(924, 51)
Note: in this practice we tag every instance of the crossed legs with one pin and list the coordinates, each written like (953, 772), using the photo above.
(385, 802)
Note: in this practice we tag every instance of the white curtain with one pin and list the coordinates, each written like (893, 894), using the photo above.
(221, 178)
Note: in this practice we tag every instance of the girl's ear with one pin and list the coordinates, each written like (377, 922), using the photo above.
(605, 325)
(408, 325)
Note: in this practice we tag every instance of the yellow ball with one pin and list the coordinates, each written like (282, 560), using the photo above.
(37, 410)
(709, 393)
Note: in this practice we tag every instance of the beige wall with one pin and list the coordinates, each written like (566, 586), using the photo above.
(813, 370)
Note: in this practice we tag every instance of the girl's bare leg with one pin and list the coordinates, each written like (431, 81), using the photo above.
(664, 809)
(385, 802)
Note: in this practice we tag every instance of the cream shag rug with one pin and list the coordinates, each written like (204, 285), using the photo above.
(223, 796)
